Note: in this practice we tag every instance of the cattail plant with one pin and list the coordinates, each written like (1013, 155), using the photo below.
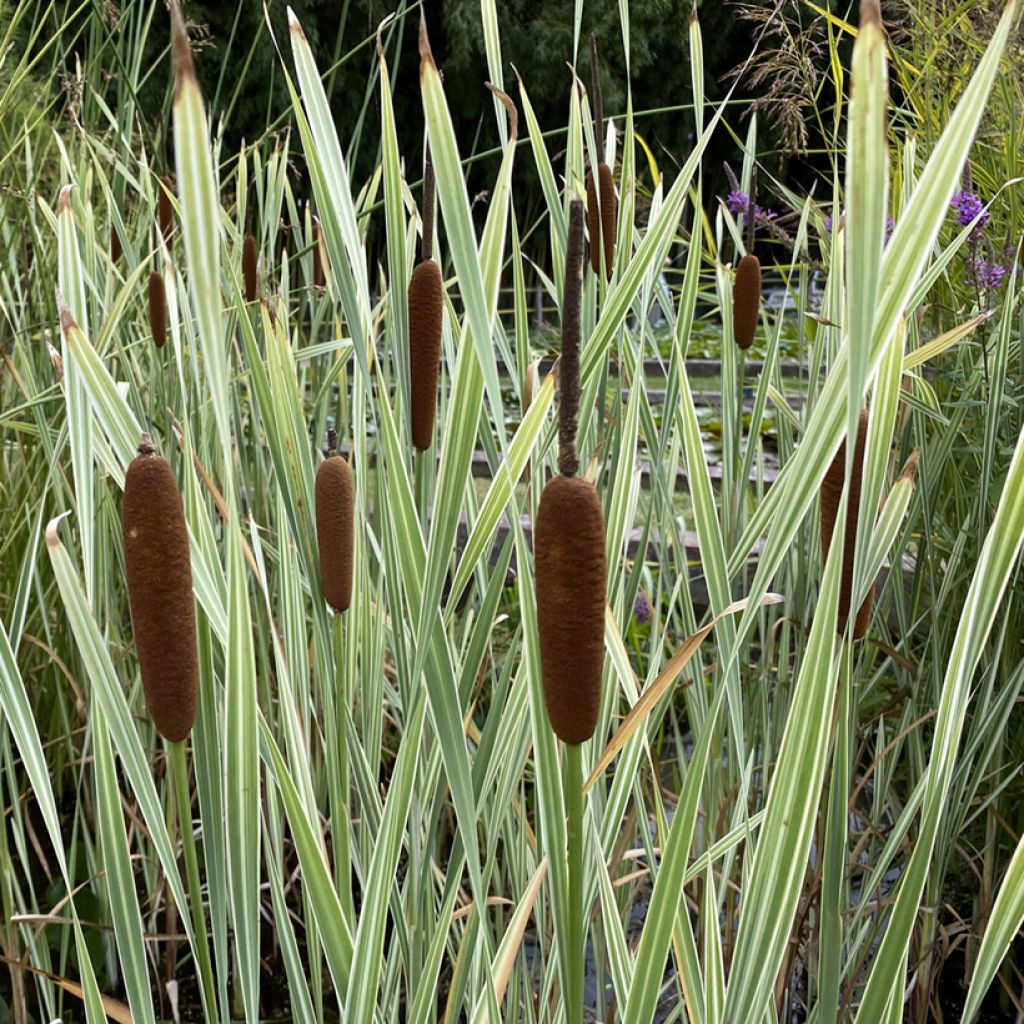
(157, 308)
(165, 207)
(570, 579)
(159, 579)
(746, 293)
(426, 303)
(601, 201)
(831, 495)
(249, 274)
(335, 517)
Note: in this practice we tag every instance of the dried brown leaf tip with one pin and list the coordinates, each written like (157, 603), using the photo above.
(64, 200)
(158, 573)
(831, 496)
(181, 52)
(870, 13)
(909, 470)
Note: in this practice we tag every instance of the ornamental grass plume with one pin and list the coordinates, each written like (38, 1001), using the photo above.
(335, 527)
(249, 272)
(157, 308)
(158, 573)
(831, 496)
(602, 207)
(426, 305)
(569, 545)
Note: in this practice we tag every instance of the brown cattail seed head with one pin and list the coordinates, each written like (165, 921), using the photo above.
(165, 206)
(601, 221)
(115, 245)
(159, 579)
(249, 257)
(831, 495)
(746, 300)
(426, 300)
(569, 552)
(157, 309)
(318, 260)
(335, 517)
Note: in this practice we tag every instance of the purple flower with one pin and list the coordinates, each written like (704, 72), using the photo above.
(889, 225)
(988, 276)
(967, 206)
(642, 609)
(737, 202)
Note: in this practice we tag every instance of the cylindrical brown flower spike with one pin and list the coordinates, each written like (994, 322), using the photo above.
(251, 278)
(165, 207)
(831, 495)
(318, 260)
(159, 579)
(115, 245)
(569, 545)
(335, 519)
(426, 305)
(746, 300)
(157, 308)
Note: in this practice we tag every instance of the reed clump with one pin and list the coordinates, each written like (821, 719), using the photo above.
(831, 496)
(335, 532)
(569, 545)
(158, 574)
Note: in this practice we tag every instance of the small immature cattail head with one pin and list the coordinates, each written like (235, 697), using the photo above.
(249, 257)
(159, 578)
(601, 219)
(570, 569)
(115, 245)
(157, 309)
(831, 495)
(335, 524)
(318, 260)
(426, 302)
(165, 207)
(746, 300)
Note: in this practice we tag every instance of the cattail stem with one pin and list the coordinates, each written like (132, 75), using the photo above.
(595, 88)
(572, 788)
(179, 782)
(751, 211)
(427, 245)
(569, 366)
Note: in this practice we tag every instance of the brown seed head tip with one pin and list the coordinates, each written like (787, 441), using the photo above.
(426, 305)
(335, 519)
(64, 199)
(909, 470)
(746, 300)
(181, 52)
(570, 580)
(158, 573)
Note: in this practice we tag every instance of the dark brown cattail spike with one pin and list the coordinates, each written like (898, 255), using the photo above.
(159, 579)
(426, 305)
(318, 263)
(831, 495)
(569, 546)
(569, 364)
(166, 207)
(602, 206)
(115, 245)
(249, 259)
(746, 300)
(335, 529)
(157, 309)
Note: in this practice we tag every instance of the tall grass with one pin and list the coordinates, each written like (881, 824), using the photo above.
(368, 821)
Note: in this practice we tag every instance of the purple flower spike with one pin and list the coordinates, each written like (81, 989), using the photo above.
(642, 609)
(967, 206)
(737, 202)
(989, 276)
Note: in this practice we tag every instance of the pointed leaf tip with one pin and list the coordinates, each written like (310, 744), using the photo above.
(426, 54)
(52, 540)
(870, 13)
(64, 199)
(181, 52)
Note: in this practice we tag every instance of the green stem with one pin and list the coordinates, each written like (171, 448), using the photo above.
(179, 774)
(572, 786)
